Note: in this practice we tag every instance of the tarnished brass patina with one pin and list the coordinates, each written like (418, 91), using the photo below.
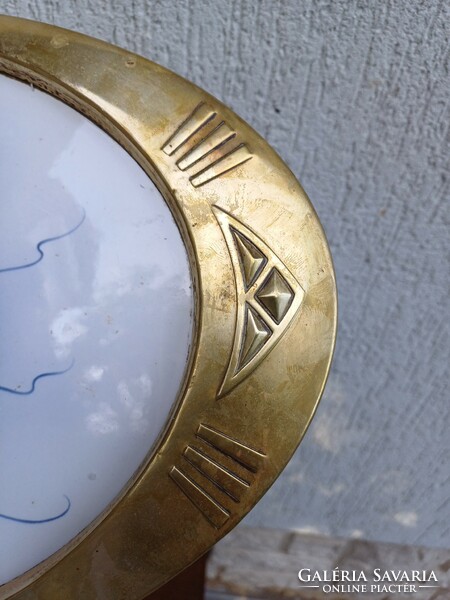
(265, 320)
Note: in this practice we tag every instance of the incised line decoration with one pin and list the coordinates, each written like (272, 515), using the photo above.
(206, 146)
(216, 471)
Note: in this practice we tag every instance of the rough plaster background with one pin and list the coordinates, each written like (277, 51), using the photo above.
(354, 96)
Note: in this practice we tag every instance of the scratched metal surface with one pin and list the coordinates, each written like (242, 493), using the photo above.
(354, 96)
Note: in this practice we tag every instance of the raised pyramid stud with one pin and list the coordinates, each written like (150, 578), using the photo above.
(252, 260)
(255, 336)
(276, 295)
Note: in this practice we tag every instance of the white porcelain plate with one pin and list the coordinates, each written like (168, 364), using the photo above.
(95, 322)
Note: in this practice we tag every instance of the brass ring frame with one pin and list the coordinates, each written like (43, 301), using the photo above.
(265, 321)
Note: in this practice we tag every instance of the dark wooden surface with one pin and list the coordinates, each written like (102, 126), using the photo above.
(188, 585)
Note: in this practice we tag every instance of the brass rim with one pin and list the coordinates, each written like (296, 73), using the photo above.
(265, 322)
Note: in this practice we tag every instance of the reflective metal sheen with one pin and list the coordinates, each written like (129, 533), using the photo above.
(264, 322)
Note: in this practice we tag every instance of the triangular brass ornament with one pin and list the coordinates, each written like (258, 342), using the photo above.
(268, 298)
(252, 260)
(276, 295)
(255, 336)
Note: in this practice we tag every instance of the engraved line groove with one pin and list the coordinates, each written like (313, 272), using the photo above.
(231, 485)
(203, 149)
(242, 454)
(212, 142)
(199, 118)
(213, 481)
(214, 512)
(223, 165)
(218, 464)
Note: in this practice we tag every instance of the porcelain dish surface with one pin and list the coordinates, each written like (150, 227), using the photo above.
(96, 311)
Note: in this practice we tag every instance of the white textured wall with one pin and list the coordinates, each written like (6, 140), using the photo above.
(354, 96)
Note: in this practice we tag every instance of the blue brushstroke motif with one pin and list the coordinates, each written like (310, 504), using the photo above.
(35, 380)
(42, 243)
(37, 522)
(41, 375)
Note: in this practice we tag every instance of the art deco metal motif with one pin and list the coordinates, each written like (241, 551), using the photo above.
(265, 320)
(268, 297)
